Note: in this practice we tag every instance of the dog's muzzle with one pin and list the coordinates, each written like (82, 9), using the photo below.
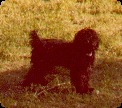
(89, 54)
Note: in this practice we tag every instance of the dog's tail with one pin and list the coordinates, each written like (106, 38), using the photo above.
(35, 40)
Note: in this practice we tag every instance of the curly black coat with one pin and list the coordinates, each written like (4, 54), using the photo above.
(78, 56)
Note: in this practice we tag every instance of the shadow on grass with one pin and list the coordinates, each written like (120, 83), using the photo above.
(107, 73)
(11, 80)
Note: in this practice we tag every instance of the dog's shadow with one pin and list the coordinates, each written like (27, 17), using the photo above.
(106, 69)
(10, 81)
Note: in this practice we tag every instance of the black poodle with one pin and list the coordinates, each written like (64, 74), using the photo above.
(78, 56)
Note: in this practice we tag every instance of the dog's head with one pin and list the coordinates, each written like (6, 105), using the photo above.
(86, 38)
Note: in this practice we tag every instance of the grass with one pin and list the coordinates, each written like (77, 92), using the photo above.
(60, 19)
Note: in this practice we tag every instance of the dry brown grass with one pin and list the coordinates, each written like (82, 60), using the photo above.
(60, 19)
